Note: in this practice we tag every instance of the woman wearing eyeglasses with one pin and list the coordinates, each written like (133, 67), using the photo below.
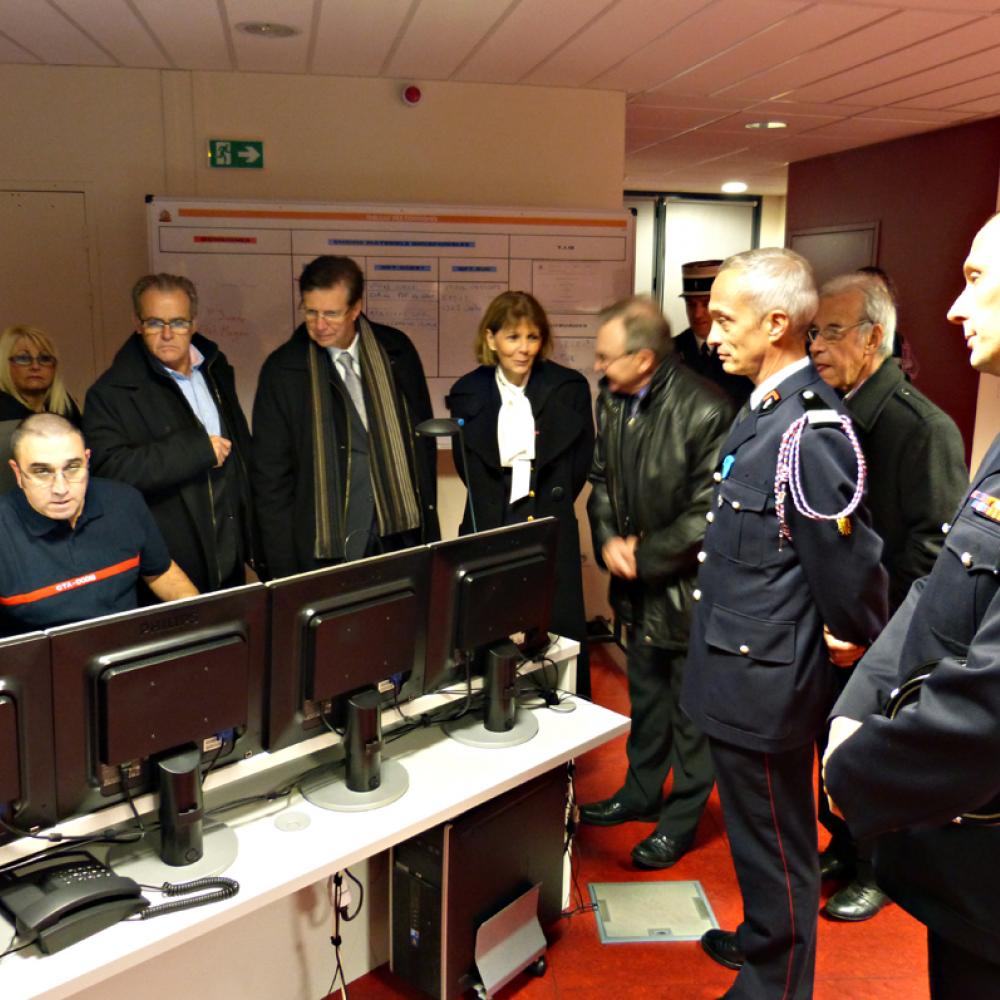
(29, 383)
(29, 376)
(529, 439)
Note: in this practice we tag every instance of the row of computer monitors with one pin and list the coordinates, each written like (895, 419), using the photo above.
(87, 708)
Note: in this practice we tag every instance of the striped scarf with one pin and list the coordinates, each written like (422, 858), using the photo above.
(390, 436)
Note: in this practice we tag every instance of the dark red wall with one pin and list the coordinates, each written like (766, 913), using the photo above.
(929, 193)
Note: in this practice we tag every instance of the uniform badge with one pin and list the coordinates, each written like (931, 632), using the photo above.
(985, 505)
(844, 526)
(727, 465)
(772, 398)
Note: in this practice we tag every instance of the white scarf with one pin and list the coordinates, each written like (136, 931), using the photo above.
(515, 435)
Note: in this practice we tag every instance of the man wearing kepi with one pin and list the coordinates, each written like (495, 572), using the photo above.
(788, 550)
(916, 461)
(904, 780)
(659, 431)
(338, 472)
(692, 344)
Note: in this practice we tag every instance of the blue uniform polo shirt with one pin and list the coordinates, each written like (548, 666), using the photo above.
(52, 574)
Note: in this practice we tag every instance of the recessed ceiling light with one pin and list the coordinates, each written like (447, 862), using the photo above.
(734, 187)
(766, 124)
(267, 29)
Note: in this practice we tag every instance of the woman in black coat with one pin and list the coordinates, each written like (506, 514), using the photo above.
(529, 438)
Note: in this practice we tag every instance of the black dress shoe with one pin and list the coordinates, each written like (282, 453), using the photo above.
(611, 812)
(721, 945)
(659, 851)
(857, 901)
(835, 866)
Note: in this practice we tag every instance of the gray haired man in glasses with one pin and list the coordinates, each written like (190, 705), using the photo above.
(917, 475)
(74, 547)
(166, 419)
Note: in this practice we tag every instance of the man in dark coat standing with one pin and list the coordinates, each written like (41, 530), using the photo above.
(904, 780)
(338, 472)
(788, 550)
(692, 344)
(659, 431)
(166, 419)
(917, 476)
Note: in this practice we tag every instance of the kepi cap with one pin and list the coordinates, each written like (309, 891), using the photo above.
(697, 277)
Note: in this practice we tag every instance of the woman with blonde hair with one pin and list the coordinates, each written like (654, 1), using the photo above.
(29, 376)
(529, 438)
(29, 383)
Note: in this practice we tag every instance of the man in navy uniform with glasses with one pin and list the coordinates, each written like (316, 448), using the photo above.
(165, 418)
(74, 547)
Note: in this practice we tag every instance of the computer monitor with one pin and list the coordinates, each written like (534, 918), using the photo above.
(147, 699)
(486, 588)
(345, 642)
(27, 760)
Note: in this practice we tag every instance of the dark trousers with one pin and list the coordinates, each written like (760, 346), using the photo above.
(842, 842)
(663, 740)
(958, 974)
(767, 802)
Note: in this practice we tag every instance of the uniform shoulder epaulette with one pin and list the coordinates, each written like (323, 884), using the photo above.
(818, 411)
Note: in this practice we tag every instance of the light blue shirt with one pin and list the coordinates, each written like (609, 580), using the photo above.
(197, 393)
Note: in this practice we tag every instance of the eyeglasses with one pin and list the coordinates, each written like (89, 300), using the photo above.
(330, 316)
(27, 360)
(155, 325)
(72, 472)
(605, 363)
(832, 333)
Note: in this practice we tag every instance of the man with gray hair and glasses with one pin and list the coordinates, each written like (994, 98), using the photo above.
(917, 476)
(166, 419)
(74, 547)
(789, 549)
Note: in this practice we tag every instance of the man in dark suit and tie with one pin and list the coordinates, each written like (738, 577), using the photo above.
(904, 780)
(789, 550)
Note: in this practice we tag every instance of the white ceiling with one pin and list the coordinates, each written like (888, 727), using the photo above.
(695, 71)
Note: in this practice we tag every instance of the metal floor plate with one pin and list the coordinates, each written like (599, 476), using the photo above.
(630, 912)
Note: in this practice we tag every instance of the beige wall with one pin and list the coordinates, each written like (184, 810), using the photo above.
(120, 134)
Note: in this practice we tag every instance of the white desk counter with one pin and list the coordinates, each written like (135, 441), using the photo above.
(272, 939)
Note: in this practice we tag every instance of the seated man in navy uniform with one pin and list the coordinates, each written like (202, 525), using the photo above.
(789, 549)
(904, 780)
(74, 547)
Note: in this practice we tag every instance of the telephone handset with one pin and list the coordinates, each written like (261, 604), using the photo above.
(59, 900)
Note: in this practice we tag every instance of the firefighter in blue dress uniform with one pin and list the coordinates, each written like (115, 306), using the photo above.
(789, 550)
(904, 780)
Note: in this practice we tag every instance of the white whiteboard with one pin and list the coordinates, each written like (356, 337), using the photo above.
(430, 270)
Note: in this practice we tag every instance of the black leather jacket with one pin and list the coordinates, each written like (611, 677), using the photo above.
(660, 491)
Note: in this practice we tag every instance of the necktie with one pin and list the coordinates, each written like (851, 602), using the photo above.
(353, 385)
(705, 350)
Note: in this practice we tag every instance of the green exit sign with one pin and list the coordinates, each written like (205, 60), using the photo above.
(235, 153)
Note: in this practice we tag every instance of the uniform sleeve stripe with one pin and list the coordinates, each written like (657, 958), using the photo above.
(77, 581)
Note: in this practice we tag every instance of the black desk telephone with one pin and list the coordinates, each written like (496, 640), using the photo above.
(59, 900)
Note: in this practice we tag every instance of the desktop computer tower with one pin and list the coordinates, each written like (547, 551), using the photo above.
(449, 879)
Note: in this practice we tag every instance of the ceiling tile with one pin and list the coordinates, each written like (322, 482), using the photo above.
(792, 77)
(440, 36)
(256, 54)
(532, 32)
(195, 41)
(895, 62)
(678, 119)
(48, 34)
(611, 38)
(820, 24)
(354, 39)
(939, 101)
(696, 39)
(112, 25)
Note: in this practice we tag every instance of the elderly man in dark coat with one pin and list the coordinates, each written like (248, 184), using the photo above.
(917, 475)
